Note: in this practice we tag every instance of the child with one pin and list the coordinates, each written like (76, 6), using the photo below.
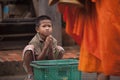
(43, 45)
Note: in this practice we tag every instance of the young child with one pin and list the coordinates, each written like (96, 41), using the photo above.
(43, 45)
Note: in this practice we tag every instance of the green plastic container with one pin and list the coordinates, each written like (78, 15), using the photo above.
(56, 70)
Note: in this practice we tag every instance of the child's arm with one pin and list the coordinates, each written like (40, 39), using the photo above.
(55, 51)
(51, 55)
(61, 51)
(43, 53)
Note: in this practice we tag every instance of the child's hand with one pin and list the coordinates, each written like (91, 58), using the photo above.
(48, 41)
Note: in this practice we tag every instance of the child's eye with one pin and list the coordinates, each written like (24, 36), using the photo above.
(49, 25)
(44, 26)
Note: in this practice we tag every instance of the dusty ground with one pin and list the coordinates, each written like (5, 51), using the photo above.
(17, 73)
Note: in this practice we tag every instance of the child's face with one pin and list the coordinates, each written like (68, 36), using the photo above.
(45, 28)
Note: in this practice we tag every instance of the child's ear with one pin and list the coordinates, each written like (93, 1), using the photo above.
(37, 30)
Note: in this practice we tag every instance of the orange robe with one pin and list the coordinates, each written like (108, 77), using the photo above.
(96, 28)
(109, 35)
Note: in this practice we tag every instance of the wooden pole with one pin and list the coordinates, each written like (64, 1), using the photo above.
(45, 9)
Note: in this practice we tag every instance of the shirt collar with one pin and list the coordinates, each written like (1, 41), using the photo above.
(39, 38)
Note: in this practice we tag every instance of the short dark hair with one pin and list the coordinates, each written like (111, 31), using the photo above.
(40, 18)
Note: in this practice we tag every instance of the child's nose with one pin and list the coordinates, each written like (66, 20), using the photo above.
(47, 27)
